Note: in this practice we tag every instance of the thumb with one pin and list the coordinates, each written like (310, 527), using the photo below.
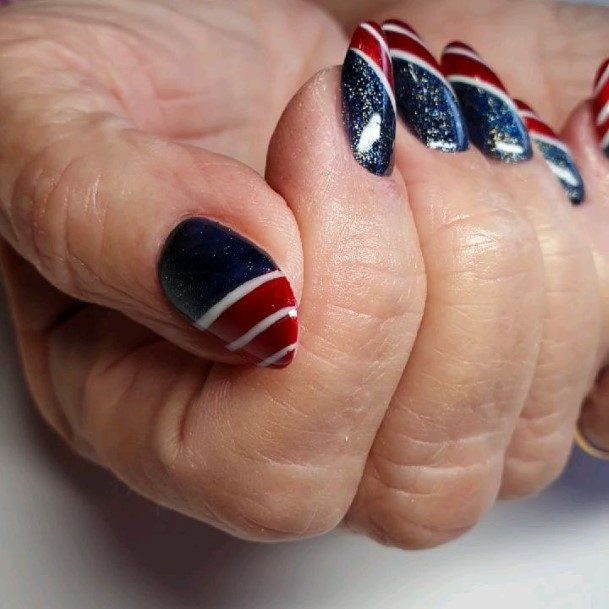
(93, 204)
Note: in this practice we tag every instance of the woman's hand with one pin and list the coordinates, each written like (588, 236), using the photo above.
(452, 314)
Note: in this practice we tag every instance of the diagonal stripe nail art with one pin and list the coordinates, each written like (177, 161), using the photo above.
(555, 152)
(493, 122)
(229, 287)
(600, 105)
(425, 100)
(368, 99)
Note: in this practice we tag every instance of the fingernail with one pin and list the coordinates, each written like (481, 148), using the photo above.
(600, 105)
(491, 115)
(226, 285)
(425, 100)
(555, 152)
(369, 100)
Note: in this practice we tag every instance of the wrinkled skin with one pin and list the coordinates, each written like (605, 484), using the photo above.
(453, 316)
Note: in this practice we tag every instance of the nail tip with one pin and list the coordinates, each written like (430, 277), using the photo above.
(577, 199)
(368, 99)
(555, 152)
(228, 286)
(494, 128)
(570, 179)
(576, 193)
(426, 102)
(492, 118)
(282, 364)
(275, 347)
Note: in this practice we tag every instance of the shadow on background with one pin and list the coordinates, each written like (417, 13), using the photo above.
(587, 477)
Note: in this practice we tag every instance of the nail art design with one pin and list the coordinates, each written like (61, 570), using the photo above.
(493, 122)
(600, 105)
(229, 287)
(555, 152)
(368, 99)
(425, 100)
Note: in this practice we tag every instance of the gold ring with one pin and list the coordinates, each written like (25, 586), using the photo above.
(588, 447)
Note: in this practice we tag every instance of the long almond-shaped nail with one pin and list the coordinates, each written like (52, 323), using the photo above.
(226, 285)
(493, 122)
(369, 99)
(556, 153)
(425, 100)
(600, 105)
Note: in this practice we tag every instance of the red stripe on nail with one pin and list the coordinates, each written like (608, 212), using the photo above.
(370, 40)
(411, 44)
(459, 59)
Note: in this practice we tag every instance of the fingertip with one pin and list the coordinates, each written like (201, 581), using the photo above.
(368, 99)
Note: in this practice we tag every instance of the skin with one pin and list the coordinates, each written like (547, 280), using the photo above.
(453, 315)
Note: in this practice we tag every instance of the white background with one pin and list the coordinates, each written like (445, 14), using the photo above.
(71, 537)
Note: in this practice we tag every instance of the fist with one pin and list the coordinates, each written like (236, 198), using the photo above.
(279, 296)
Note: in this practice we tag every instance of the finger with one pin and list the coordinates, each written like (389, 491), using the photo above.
(36, 308)
(586, 132)
(593, 424)
(544, 434)
(437, 461)
(586, 136)
(259, 454)
(90, 201)
(542, 438)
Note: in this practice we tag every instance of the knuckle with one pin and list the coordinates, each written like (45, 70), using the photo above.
(406, 534)
(42, 215)
(429, 507)
(527, 476)
(253, 497)
(525, 485)
(292, 512)
(560, 243)
(61, 216)
(370, 282)
(569, 263)
(490, 245)
(262, 505)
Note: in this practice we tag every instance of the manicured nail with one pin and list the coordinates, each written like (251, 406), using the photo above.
(368, 99)
(425, 100)
(228, 286)
(600, 105)
(555, 152)
(493, 122)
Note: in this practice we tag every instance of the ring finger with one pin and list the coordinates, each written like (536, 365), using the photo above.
(437, 461)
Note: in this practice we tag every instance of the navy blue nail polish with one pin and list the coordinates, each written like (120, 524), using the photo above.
(425, 100)
(492, 118)
(226, 285)
(555, 152)
(368, 99)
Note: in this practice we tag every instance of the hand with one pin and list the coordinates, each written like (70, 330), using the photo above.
(452, 315)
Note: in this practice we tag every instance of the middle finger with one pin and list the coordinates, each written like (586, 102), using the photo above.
(437, 461)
